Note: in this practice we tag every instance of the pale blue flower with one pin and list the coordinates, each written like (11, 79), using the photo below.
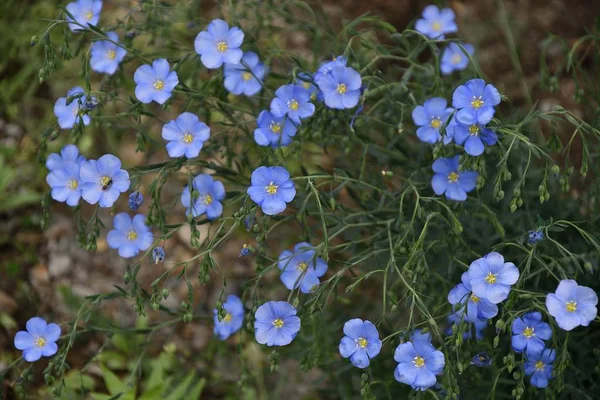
(73, 113)
(245, 79)
(419, 363)
(449, 181)
(155, 82)
(436, 23)
(273, 131)
(186, 135)
(233, 320)
(572, 305)
(85, 12)
(219, 44)
(454, 58)
(38, 340)
(210, 194)
(293, 101)
(529, 333)
(276, 323)
(491, 278)
(361, 342)
(129, 236)
(102, 181)
(301, 268)
(106, 55)
(271, 188)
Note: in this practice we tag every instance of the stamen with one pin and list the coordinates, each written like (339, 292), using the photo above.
(571, 306)
(271, 189)
(159, 85)
(491, 278)
(222, 46)
(111, 54)
(188, 138)
(362, 342)
(132, 235)
(453, 177)
(341, 88)
(278, 323)
(293, 105)
(418, 361)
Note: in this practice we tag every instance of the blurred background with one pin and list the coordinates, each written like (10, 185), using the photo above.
(45, 272)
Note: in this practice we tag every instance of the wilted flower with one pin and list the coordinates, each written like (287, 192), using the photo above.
(102, 181)
(158, 255)
(529, 333)
(572, 305)
(129, 236)
(106, 55)
(454, 58)
(38, 340)
(276, 323)
(301, 268)
(135, 200)
(535, 236)
(361, 342)
(436, 23)
(73, 113)
(241, 80)
(540, 366)
(186, 135)
(475, 101)
(430, 117)
(210, 194)
(292, 101)
(233, 320)
(482, 359)
(155, 82)
(449, 181)
(85, 12)
(219, 44)
(271, 188)
(491, 277)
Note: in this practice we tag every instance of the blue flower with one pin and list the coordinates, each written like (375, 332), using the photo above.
(436, 23)
(454, 58)
(293, 101)
(474, 308)
(273, 131)
(361, 342)
(572, 305)
(106, 55)
(328, 66)
(276, 323)
(102, 181)
(135, 200)
(475, 101)
(491, 277)
(271, 188)
(430, 117)
(419, 335)
(39, 339)
(233, 320)
(210, 194)
(245, 250)
(473, 137)
(529, 333)
(85, 12)
(479, 325)
(301, 268)
(241, 80)
(535, 236)
(305, 80)
(158, 255)
(73, 113)
(65, 183)
(539, 366)
(69, 153)
(186, 135)
(155, 82)
(130, 236)
(218, 44)
(482, 359)
(419, 363)
(447, 180)
(340, 87)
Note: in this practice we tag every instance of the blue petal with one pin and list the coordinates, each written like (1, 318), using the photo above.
(360, 359)
(347, 347)
(36, 326)
(23, 340)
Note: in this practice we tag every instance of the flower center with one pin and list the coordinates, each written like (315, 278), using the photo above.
(188, 138)
(571, 306)
(453, 177)
(539, 365)
(278, 323)
(293, 105)
(418, 361)
(111, 54)
(271, 189)
(436, 26)
(105, 182)
(341, 88)
(474, 299)
(306, 85)
(89, 14)
(73, 184)
(302, 266)
(436, 123)
(491, 278)
(227, 318)
(275, 127)
(473, 130)
(159, 85)
(207, 199)
(362, 342)
(528, 332)
(246, 76)
(39, 342)
(222, 46)
(131, 235)
(477, 102)
(456, 59)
